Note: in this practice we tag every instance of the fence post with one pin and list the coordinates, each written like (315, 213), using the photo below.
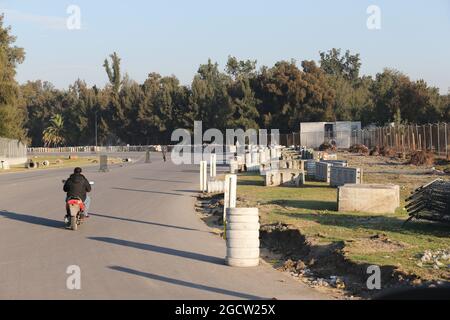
(431, 137)
(438, 141)
(446, 140)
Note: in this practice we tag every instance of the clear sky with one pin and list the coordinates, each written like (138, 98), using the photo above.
(176, 36)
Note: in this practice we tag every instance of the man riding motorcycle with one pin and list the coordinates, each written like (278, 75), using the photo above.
(77, 187)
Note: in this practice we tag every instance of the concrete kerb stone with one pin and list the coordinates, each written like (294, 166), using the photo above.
(369, 198)
(284, 177)
(340, 176)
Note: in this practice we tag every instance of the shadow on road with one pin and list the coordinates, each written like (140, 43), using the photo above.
(149, 191)
(163, 250)
(186, 284)
(144, 222)
(32, 219)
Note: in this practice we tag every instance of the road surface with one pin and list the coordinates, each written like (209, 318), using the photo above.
(143, 241)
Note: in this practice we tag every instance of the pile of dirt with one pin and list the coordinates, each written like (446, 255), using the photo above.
(422, 158)
(359, 148)
(328, 147)
(387, 152)
(375, 151)
(211, 208)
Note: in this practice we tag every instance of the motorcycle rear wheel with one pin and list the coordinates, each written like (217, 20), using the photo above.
(73, 223)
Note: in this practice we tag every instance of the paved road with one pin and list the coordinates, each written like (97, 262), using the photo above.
(143, 241)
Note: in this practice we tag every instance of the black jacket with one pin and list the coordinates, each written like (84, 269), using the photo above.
(77, 186)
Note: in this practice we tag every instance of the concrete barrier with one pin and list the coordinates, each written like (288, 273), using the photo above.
(103, 163)
(323, 171)
(284, 177)
(340, 176)
(310, 168)
(230, 193)
(369, 198)
(212, 165)
(215, 186)
(336, 163)
(203, 176)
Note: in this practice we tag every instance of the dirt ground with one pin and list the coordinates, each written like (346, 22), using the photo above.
(304, 235)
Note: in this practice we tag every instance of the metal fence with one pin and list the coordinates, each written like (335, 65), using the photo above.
(12, 149)
(404, 138)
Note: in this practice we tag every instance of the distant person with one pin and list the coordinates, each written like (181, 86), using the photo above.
(164, 152)
(77, 186)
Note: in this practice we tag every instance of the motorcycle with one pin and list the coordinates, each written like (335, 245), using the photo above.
(76, 208)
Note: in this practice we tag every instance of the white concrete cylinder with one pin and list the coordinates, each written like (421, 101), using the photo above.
(242, 237)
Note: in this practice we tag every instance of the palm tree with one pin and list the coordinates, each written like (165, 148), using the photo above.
(53, 135)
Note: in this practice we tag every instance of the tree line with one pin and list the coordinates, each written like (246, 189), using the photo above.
(240, 96)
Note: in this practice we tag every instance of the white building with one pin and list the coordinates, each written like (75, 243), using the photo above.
(313, 134)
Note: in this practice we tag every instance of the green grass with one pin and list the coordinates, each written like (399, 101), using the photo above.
(312, 209)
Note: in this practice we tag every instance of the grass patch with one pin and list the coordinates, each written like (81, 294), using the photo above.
(369, 238)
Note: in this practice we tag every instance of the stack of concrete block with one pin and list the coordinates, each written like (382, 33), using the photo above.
(310, 167)
(215, 186)
(284, 177)
(369, 198)
(323, 171)
(340, 176)
(328, 156)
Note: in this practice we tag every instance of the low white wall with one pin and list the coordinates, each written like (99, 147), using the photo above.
(15, 161)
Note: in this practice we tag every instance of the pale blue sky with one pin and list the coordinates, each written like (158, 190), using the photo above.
(175, 36)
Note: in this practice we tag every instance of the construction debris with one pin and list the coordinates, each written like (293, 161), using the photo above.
(430, 202)
(436, 259)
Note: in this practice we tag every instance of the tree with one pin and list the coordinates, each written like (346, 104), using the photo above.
(244, 112)
(346, 66)
(210, 98)
(289, 95)
(12, 117)
(53, 135)
(113, 73)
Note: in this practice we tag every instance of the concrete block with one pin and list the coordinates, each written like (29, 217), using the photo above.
(103, 163)
(310, 168)
(323, 171)
(337, 163)
(284, 177)
(4, 165)
(216, 186)
(369, 198)
(341, 175)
